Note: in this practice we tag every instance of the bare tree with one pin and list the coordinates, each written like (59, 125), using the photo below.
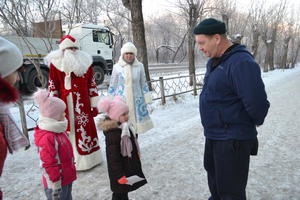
(295, 49)
(17, 14)
(286, 41)
(138, 32)
(169, 31)
(21, 14)
(226, 8)
(255, 15)
(118, 20)
(192, 10)
(271, 22)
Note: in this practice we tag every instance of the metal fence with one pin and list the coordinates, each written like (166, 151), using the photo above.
(170, 87)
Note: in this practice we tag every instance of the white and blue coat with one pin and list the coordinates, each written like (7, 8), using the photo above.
(129, 82)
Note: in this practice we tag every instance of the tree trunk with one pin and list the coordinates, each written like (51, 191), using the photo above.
(294, 59)
(177, 50)
(255, 42)
(272, 47)
(225, 19)
(285, 52)
(191, 53)
(193, 16)
(138, 32)
(267, 57)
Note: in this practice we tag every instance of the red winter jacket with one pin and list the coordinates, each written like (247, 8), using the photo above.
(57, 158)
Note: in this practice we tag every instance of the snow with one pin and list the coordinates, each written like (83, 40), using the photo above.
(172, 153)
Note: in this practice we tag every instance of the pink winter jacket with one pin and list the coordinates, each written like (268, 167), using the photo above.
(56, 155)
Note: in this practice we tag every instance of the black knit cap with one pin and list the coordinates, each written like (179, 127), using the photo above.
(210, 26)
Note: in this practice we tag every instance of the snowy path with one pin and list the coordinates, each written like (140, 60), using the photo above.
(172, 154)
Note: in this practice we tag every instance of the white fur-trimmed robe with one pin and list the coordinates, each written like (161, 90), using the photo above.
(129, 82)
(78, 90)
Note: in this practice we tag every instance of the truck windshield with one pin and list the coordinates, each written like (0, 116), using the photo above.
(101, 36)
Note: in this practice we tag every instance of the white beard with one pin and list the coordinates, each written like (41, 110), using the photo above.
(69, 61)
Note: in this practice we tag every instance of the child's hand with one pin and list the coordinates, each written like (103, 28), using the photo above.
(122, 180)
(56, 190)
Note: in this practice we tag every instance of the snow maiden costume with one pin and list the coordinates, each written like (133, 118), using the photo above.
(128, 81)
(71, 78)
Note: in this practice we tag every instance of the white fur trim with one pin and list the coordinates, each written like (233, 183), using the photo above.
(144, 126)
(82, 162)
(67, 81)
(68, 43)
(85, 162)
(129, 48)
(122, 62)
(148, 98)
(54, 57)
(80, 64)
(94, 101)
(53, 125)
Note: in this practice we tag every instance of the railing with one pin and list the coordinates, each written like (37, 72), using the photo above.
(170, 87)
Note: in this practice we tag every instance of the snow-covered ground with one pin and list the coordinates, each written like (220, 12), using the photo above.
(172, 154)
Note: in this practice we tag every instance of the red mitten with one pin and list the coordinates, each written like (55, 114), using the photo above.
(122, 180)
(94, 112)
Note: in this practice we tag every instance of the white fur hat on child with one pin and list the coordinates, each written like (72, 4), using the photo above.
(50, 107)
(10, 56)
(128, 48)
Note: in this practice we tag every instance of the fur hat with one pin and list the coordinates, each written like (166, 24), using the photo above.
(129, 48)
(10, 56)
(210, 26)
(68, 41)
(50, 107)
(114, 108)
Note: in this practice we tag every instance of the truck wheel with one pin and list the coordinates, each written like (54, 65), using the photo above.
(99, 74)
(33, 81)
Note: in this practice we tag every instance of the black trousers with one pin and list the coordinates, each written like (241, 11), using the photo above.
(227, 166)
(120, 196)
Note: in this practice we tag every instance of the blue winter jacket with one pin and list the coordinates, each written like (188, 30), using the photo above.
(233, 100)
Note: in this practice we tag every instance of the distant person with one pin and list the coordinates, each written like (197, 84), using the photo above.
(233, 102)
(128, 81)
(71, 78)
(122, 150)
(11, 138)
(54, 147)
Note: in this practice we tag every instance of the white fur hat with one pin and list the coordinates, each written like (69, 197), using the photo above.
(68, 41)
(129, 48)
(11, 58)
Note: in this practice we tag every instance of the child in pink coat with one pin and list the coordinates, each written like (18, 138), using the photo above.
(54, 147)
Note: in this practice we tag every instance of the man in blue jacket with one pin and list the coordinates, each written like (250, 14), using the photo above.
(233, 102)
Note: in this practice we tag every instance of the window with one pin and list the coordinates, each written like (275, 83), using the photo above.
(101, 36)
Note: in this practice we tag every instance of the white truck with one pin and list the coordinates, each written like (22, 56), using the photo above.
(96, 40)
